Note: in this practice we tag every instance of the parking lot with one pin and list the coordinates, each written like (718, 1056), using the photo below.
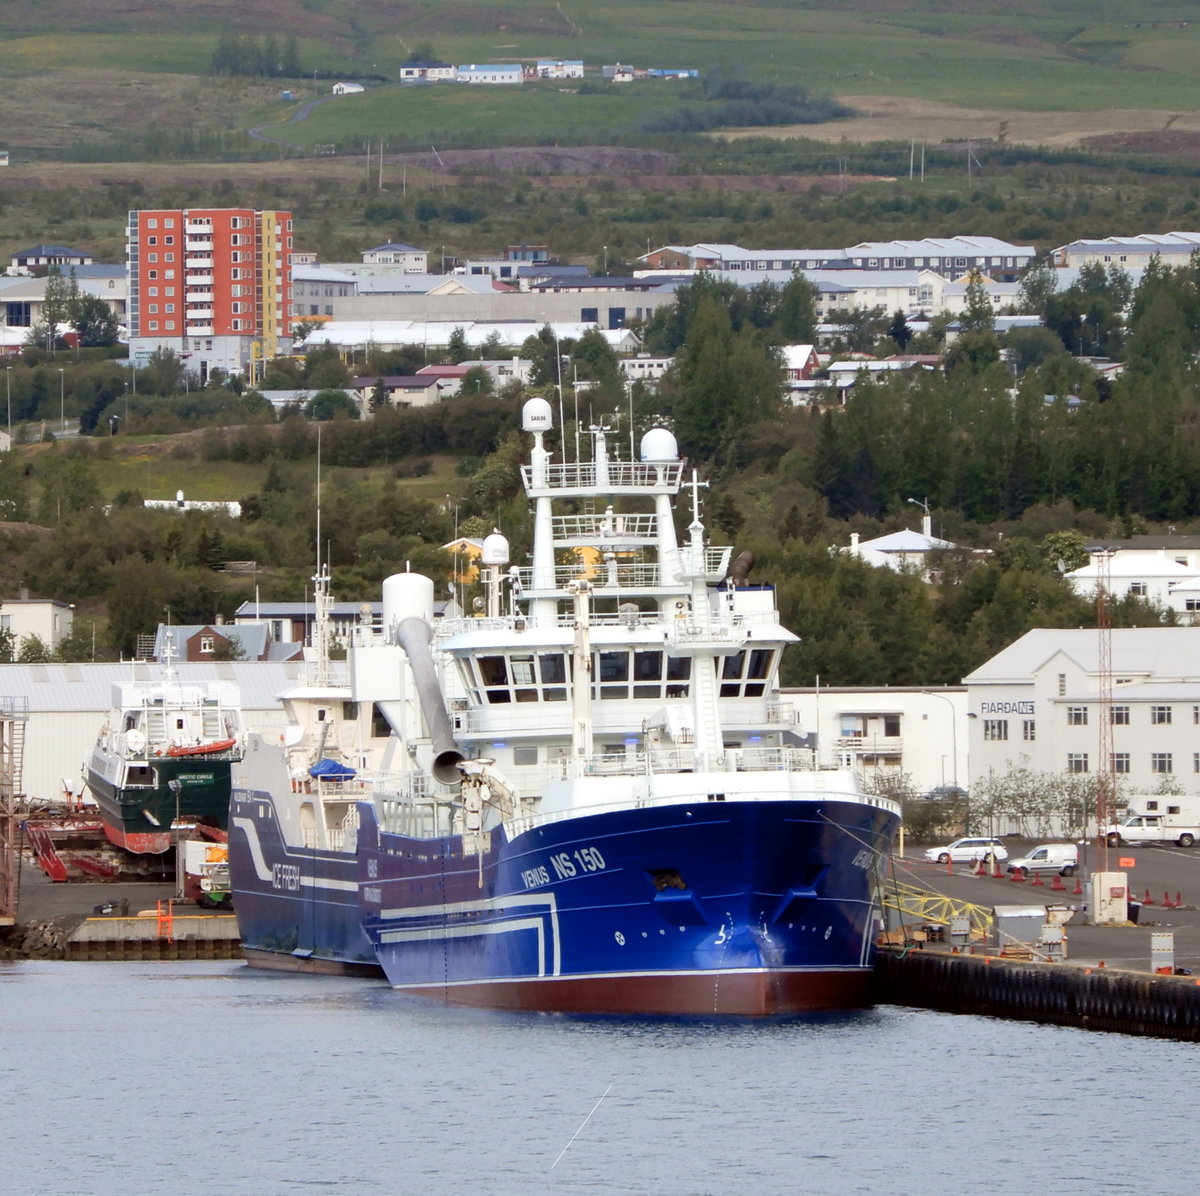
(1158, 871)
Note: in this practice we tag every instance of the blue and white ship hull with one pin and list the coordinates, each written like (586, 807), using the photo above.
(297, 907)
(711, 907)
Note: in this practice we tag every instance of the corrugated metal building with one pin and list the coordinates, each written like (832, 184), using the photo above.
(68, 703)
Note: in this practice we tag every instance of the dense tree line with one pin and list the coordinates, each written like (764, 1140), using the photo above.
(265, 56)
(730, 100)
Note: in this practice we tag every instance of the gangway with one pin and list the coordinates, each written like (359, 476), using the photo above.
(936, 909)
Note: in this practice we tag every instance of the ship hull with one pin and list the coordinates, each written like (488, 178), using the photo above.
(138, 816)
(297, 907)
(750, 908)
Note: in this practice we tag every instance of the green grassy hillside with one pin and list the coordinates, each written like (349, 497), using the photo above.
(91, 74)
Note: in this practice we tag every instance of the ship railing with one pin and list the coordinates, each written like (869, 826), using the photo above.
(660, 478)
(685, 759)
(605, 527)
(509, 624)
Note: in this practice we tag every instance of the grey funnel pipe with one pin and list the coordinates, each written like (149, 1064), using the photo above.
(413, 635)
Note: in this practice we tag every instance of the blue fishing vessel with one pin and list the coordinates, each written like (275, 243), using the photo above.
(584, 793)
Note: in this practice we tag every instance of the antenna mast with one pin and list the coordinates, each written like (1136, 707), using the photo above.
(1105, 780)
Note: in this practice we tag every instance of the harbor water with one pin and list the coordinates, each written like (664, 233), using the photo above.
(208, 1077)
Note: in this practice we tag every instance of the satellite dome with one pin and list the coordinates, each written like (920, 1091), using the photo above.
(659, 445)
(495, 548)
(536, 416)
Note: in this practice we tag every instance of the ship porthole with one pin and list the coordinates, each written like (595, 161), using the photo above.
(620, 939)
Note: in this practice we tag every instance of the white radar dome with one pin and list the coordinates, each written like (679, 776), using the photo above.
(536, 416)
(659, 445)
(495, 550)
(406, 595)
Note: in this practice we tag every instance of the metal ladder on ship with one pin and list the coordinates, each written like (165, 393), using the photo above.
(14, 714)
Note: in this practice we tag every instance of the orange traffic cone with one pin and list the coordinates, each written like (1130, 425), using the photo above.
(1017, 875)
(1077, 891)
(1147, 900)
(1057, 885)
(1167, 903)
(1037, 879)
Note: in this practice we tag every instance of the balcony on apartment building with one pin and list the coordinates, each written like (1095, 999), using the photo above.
(197, 228)
(198, 263)
(199, 296)
(200, 313)
(199, 329)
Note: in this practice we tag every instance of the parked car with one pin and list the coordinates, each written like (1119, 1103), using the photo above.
(968, 850)
(1062, 858)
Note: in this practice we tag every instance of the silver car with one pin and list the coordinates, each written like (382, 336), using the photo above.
(967, 850)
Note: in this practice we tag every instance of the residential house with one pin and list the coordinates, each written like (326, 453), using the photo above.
(400, 390)
(395, 253)
(1163, 570)
(42, 257)
(49, 619)
(292, 622)
(907, 550)
(645, 369)
(221, 641)
(426, 72)
(490, 73)
(550, 68)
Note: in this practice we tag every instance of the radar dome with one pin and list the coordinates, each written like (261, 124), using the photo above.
(536, 416)
(495, 550)
(659, 445)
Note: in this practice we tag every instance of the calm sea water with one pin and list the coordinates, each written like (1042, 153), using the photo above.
(214, 1078)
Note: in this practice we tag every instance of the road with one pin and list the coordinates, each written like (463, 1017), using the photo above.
(300, 114)
(1158, 871)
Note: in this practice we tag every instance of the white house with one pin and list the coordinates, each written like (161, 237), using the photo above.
(907, 550)
(47, 618)
(551, 68)
(394, 253)
(490, 73)
(1164, 570)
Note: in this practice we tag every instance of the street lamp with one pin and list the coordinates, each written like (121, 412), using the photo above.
(8, 392)
(953, 733)
(62, 397)
(927, 522)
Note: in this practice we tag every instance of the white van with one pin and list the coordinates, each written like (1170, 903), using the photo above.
(1062, 858)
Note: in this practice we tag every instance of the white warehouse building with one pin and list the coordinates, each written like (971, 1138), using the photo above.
(1038, 704)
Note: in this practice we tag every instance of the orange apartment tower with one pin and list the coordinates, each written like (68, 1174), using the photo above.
(213, 285)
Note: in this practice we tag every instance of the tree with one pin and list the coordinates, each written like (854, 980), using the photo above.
(727, 380)
(33, 650)
(477, 380)
(899, 331)
(326, 404)
(61, 293)
(978, 315)
(95, 323)
(796, 314)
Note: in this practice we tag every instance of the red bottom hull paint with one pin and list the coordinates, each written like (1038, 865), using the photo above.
(735, 994)
(139, 842)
